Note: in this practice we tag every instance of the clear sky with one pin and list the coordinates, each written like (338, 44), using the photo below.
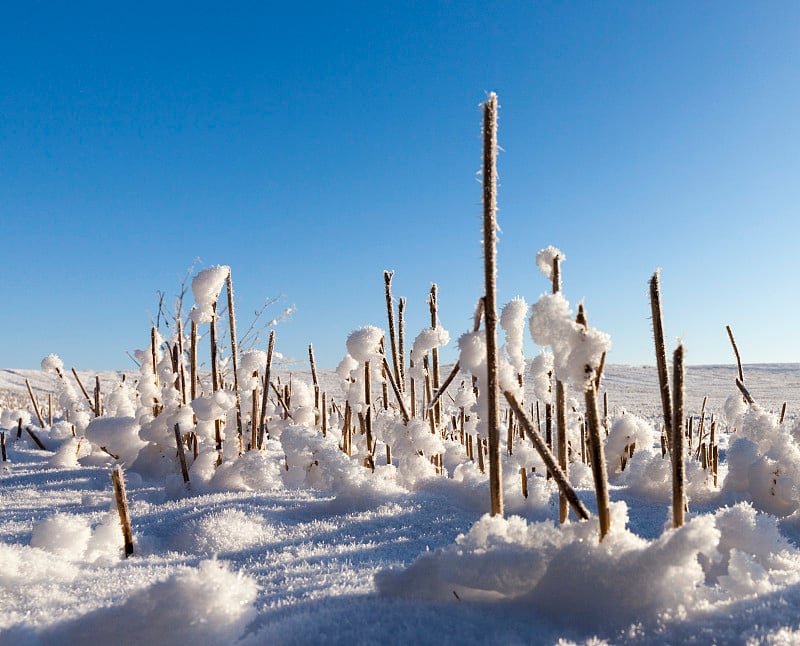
(312, 145)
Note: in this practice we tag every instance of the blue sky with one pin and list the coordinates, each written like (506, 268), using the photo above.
(312, 145)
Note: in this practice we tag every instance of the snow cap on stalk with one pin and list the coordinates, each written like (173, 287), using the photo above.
(52, 363)
(426, 340)
(544, 260)
(577, 350)
(363, 344)
(512, 320)
(206, 287)
(346, 366)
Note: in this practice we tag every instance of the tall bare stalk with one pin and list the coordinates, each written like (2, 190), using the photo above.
(678, 450)
(490, 302)
(661, 353)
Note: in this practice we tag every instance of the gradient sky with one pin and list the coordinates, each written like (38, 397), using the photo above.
(312, 145)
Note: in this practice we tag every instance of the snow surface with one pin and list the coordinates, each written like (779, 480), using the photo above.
(300, 544)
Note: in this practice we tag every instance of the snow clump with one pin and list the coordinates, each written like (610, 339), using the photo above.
(206, 286)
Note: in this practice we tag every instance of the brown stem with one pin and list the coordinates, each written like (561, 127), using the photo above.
(490, 302)
(678, 473)
(736, 352)
(661, 352)
(564, 487)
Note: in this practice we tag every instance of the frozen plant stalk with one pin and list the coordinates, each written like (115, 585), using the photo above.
(122, 509)
(661, 352)
(490, 302)
(677, 441)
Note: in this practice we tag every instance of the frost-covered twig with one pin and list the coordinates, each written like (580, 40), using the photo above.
(83, 390)
(564, 487)
(490, 296)
(234, 356)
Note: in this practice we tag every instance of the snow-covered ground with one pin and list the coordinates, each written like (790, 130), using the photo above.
(300, 544)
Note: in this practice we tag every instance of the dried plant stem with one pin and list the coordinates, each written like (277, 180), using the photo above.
(401, 341)
(398, 395)
(436, 377)
(181, 362)
(324, 414)
(559, 475)
(181, 454)
(314, 379)
(368, 399)
(736, 352)
(193, 362)
(3, 445)
(97, 404)
(212, 333)
(234, 357)
(598, 460)
(262, 422)
(745, 393)
(490, 296)
(783, 413)
(35, 404)
(678, 451)
(35, 438)
(254, 415)
(83, 390)
(661, 352)
(282, 400)
(122, 509)
(561, 427)
(387, 280)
